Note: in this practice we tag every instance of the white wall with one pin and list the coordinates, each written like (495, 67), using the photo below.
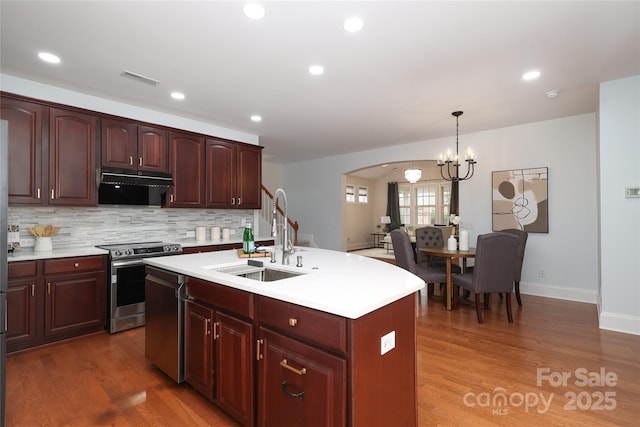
(567, 255)
(620, 217)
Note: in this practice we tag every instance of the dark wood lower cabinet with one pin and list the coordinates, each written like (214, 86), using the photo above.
(50, 300)
(198, 362)
(299, 385)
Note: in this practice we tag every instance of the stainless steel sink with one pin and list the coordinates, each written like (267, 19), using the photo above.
(263, 274)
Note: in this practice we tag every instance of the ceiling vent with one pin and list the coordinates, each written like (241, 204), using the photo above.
(140, 78)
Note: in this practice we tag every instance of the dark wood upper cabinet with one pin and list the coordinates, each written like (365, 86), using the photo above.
(126, 145)
(186, 158)
(233, 175)
(25, 150)
(72, 158)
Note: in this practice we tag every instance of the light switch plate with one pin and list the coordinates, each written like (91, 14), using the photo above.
(631, 192)
(387, 342)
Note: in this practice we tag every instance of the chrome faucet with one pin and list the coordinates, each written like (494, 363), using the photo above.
(287, 247)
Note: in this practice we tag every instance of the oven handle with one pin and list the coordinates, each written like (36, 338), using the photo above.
(126, 263)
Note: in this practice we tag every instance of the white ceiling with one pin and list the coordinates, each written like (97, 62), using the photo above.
(396, 81)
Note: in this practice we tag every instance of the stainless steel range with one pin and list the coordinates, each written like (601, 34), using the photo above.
(125, 293)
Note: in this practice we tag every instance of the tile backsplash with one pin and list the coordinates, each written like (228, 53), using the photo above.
(108, 224)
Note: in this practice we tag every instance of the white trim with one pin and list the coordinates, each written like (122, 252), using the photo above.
(620, 323)
(559, 292)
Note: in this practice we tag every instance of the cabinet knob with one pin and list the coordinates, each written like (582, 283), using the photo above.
(76, 264)
(293, 321)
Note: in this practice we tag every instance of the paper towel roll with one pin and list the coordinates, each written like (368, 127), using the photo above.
(201, 233)
(464, 240)
(215, 233)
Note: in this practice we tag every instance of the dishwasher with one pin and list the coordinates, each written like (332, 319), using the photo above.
(164, 329)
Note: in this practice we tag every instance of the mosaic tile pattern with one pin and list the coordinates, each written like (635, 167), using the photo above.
(107, 225)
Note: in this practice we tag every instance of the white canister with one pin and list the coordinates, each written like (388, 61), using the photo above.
(225, 233)
(201, 233)
(464, 240)
(215, 233)
(452, 244)
(43, 244)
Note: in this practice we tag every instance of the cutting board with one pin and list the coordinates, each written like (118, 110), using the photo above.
(253, 255)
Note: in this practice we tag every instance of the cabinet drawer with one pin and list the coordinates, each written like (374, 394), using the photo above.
(312, 325)
(233, 300)
(71, 265)
(22, 269)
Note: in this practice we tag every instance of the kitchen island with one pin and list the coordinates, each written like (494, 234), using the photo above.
(332, 345)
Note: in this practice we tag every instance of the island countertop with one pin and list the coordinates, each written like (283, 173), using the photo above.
(339, 283)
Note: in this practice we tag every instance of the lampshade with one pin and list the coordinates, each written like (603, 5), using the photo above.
(413, 175)
(385, 220)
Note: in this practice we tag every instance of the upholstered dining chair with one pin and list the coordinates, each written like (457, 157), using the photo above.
(431, 237)
(403, 252)
(522, 235)
(494, 270)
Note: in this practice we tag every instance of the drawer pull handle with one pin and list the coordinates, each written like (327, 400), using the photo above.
(293, 321)
(33, 290)
(49, 288)
(288, 393)
(258, 352)
(131, 160)
(207, 327)
(216, 334)
(286, 365)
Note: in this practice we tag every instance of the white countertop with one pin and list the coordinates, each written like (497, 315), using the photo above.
(28, 254)
(339, 283)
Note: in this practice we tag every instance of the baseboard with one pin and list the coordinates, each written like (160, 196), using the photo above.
(557, 292)
(620, 323)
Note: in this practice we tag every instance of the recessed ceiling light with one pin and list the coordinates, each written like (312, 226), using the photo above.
(552, 94)
(354, 24)
(253, 10)
(177, 95)
(531, 75)
(316, 70)
(49, 57)
(256, 118)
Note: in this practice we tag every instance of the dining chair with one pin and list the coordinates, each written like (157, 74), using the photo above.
(429, 237)
(404, 255)
(522, 235)
(494, 270)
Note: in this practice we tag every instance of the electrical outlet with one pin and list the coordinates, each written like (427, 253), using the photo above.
(191, 234)
(387, 342)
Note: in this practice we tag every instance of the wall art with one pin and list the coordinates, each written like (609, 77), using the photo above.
(520, 200)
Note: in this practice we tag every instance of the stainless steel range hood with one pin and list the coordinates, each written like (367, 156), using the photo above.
(126, 187)
(127, 177)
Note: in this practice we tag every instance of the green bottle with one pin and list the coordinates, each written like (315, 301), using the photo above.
(248, 247)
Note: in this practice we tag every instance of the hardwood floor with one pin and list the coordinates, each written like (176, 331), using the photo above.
(462, 366)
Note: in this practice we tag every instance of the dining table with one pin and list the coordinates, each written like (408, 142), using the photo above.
(450, 255)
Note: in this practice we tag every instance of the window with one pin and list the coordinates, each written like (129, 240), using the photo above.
(424, 203)
(351, 194)
(363, 195)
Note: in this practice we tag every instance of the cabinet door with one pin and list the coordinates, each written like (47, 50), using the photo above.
(21, 313)
(153, 149)
(119, 144)
(74, 303)
(248, 176)
(198, 361)
(25, 150)
(299, 385)
(234, 367)
(221, 174)
(187, 161)
(72, 158)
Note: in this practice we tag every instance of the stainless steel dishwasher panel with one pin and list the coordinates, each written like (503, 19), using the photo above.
(164, 330)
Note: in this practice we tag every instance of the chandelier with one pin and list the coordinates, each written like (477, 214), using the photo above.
(453, 162)
(413, 175)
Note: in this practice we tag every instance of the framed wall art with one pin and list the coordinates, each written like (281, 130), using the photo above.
(520, 200)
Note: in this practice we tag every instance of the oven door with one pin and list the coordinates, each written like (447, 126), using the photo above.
(127, 294)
